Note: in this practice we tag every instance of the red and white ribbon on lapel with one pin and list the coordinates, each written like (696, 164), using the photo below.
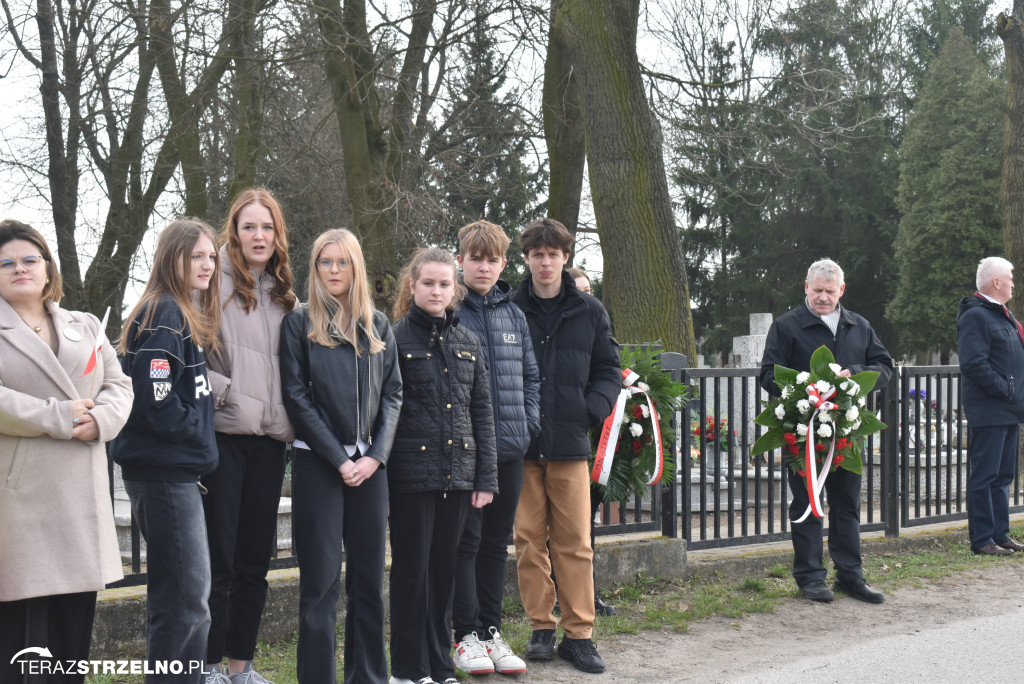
(816, 481)
(610, 433)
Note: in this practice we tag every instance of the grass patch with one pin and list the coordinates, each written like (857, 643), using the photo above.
(650, 603)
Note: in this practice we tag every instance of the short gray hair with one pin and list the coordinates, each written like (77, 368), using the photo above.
(991, 268)
(827, 270)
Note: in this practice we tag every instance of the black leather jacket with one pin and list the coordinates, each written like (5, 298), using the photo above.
(332, 396)
(445, 439)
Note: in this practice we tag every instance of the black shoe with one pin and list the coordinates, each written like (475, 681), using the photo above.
(582, 654)
(992, 549)
(602, 608)
(860, 590)
(542, 645)
(817, 591)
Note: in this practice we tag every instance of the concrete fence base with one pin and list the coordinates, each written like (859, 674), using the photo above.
(120, 627)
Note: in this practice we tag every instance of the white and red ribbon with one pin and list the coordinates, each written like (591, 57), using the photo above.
(612, 426)
(815, 480)
(97, 345)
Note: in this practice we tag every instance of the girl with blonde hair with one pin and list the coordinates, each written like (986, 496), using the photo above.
(343, 393)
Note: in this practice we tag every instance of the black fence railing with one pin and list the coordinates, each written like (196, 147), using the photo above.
(915, 471)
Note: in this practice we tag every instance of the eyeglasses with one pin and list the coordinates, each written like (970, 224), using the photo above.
(29, 263)
(328, 264)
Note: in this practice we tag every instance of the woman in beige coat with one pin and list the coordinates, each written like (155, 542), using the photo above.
(57, 541)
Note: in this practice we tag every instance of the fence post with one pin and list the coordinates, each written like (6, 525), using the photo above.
(890, 454)
(674, 363)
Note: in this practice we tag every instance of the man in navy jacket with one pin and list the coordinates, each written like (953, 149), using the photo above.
(791, 341)
(991, 347)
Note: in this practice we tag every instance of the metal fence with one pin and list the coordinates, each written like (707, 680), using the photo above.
(915, 471)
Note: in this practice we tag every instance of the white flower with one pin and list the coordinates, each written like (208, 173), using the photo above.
(823, 387)
(835, 368)
(855, 425)
(862, 401)
(824, 430)
(644, 386)
(803, 406)
(824, 416)
(787, 391)
(847, 430)
(636, 430)
(780, 411)
(852, 413)
(854, 389)
(801, 429)
(625, 417)
(844, 384)
(645, 411)
(803, 377)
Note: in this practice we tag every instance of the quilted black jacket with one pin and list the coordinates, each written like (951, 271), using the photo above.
(508, 349)
(445, 436)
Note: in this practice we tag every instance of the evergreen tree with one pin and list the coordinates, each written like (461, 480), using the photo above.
(948, 194)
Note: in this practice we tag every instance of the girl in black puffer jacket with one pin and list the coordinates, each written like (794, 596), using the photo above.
(443, 461)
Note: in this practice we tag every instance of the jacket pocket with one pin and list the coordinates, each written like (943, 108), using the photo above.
(417, 366)
(464, 362)
(18, 457)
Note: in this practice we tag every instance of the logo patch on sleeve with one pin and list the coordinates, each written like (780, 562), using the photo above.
(159, 368)
(161, 390)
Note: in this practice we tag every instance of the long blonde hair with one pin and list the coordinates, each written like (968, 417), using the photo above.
(409, 275)
(326, 310)
(277, 267)
(172, 264)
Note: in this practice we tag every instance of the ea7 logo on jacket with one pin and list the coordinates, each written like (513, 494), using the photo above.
(510, 338)
(202, 386)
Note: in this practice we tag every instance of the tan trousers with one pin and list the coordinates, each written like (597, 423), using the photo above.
(555, 506)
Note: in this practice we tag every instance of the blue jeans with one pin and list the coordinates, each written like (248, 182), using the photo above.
(170, 515)
(993, 452)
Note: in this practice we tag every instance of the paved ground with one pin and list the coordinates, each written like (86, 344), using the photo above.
(965, 628)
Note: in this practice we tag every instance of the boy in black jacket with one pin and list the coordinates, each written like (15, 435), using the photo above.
(580, 377)
(505, 339)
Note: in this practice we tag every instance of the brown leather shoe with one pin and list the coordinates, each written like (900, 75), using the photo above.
(1011, 545)
(993, 549)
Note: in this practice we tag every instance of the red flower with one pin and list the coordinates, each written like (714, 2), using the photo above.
(637, 446)
(638, 412)
(794, 449)
(802, 473)
(819, 447)
(838, 459)
(790, 438)
(842, 443)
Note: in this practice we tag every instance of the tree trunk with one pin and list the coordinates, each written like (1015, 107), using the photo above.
(1011, 30)
(563, 128)
(645, 276)
(248, 99)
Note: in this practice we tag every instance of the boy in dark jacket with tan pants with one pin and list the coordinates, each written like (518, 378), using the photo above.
(580, 377)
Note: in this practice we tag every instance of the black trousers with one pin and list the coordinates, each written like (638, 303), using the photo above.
(61, 623)
(425, 532)
(327, 513)
(843, 491)
(241, 525)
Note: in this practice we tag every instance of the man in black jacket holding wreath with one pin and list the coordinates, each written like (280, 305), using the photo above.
(580, 378)
(791, 341)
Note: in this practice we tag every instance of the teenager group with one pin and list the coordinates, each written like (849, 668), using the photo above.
(465, 419)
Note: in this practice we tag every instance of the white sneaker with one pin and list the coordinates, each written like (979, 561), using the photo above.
(500, 653)
(216, 676)
(399, 680)
(471, 655)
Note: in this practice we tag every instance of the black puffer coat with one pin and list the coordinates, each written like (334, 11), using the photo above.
(515, 381)
(334, 398)
(445, 436)
(580, 375)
